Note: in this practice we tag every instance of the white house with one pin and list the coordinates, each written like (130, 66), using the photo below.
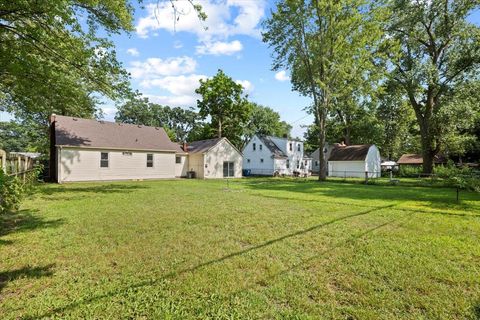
(354, 161)
(214, 158)
(90, 150)
(267, 155)
(316, 156)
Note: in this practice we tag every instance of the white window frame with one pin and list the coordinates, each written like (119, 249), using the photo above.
(150, 161)
(102, 160)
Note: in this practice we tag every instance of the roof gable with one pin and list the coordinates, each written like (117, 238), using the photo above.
(88, 133)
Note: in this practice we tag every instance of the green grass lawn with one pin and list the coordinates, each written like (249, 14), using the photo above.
(261, 248)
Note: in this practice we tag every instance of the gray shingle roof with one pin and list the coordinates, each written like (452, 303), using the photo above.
(202, 146)
(85, 133)
(276, 151)
(349, 153)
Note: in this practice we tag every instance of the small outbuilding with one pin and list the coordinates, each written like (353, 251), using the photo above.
(354, 161)
(413, 159)
(214, 158)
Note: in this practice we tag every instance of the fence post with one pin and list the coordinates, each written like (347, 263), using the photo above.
(366, 177)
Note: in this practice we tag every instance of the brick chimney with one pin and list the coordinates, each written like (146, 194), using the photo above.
(52, 118)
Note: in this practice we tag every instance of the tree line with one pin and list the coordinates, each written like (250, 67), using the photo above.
(399, 73)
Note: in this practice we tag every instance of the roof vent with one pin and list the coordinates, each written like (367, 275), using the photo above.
(156, 128)
(75, 119)
(102, 122)
(139, 126)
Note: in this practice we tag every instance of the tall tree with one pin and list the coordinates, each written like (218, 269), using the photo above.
(265, 121)
(138, 110)
(325, 44)
(439, 50)
(224, 101)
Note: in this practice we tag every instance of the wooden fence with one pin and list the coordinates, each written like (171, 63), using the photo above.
(16, 164)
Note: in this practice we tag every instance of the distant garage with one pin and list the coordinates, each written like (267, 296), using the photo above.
(354, 161)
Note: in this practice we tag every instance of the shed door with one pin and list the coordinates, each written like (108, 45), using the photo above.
(228, 169)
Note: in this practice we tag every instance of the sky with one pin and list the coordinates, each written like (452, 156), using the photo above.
(166, 58)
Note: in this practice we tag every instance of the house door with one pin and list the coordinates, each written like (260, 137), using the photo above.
(228, 169)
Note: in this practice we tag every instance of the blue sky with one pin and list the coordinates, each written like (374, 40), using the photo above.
(166, 60)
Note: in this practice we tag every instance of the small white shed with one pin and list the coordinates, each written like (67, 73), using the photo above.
(354, 161)
(214, 158)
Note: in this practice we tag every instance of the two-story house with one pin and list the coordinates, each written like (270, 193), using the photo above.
(267, 155)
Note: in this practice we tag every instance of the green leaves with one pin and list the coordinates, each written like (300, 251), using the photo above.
(224, 101)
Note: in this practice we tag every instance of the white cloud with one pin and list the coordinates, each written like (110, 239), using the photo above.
(177, 85)
(247, 85)
(226, 18)
(174, 101)
(133, 52)
(220, 48)
(282, 76)
(155, 67)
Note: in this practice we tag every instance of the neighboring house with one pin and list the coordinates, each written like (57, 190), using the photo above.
(354, 161)
(316, 156)
(89, 150)
(267, 155)
(214, 158)
(411, 159)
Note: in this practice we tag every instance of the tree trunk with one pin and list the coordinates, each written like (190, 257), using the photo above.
(321, 115)
(219, 128)
(428, 151)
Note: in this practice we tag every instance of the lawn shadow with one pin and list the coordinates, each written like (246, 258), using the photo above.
(25, 272)
(202, 265)
(110, 188)
(476, 311)
(440, 198)
(22, 221)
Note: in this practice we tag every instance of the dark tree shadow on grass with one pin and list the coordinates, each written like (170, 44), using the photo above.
(174, 274)
(22, 221)
(440, 198)
(476, 311)
(25, 272)
(80, 190)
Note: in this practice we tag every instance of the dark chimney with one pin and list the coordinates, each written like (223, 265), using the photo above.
(185, 147)
(52, 117)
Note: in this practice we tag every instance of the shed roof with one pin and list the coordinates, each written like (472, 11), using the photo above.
(417, 159)
(89, 133)
(349, 153)
(276, 151)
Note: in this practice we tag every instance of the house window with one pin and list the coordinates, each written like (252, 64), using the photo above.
(254, 146)
(288, 164)
(149, 160)
(228, 169)
(178, 159)
(299, 147)
(306, 163)
(325, 150)
(104, 160)
(261, 160)
(298, 164)
(248, 160)
(291, 146)
(316, 163)
(260, 147)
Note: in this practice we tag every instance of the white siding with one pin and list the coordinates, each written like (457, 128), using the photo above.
(373, 162)
(76, 164)
(346, 169)
(255, 156)
(216, 156)
(182, 167)
(196, 164)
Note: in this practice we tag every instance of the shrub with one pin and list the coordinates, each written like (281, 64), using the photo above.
(13, 189)
(409, 171)
(11, 192)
